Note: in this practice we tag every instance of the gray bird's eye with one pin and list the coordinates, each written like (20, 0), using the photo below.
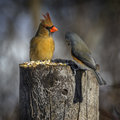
(68, 42)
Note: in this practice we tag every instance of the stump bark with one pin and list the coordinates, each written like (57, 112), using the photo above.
(47, 92)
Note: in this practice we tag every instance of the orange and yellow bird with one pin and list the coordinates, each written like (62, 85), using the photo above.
(42, 44)
(82, 55)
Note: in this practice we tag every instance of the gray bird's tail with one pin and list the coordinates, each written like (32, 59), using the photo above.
(100, 80)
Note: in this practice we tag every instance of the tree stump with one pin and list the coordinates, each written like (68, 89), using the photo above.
(47, 92)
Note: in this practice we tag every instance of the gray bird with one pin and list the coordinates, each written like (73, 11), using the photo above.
(82, 55)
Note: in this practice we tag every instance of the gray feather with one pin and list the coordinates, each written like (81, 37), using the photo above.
(100, 80)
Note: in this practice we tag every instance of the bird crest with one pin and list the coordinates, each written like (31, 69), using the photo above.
(47, 20)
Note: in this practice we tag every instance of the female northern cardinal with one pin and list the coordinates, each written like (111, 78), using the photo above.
(42, 45)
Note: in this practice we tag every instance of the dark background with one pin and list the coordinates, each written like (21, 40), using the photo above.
(96, 21)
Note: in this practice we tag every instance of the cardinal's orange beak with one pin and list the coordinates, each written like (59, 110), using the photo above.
(53, 29)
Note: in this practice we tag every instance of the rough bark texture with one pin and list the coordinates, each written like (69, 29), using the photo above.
(47, 92)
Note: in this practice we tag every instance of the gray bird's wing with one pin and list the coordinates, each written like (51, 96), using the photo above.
(85, 58)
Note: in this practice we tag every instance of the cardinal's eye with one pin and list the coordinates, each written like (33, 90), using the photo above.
(49, 27)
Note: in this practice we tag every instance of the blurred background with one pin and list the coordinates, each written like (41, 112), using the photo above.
(96, 21)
